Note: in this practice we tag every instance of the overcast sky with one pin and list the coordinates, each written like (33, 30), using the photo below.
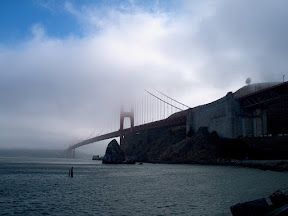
(63, 63)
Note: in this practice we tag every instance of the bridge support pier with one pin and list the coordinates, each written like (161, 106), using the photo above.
(121, 140)
(70, 153)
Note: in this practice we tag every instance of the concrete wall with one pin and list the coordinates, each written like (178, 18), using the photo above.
(230, 120)
(218, 116)
(226, 118)
(254, 123)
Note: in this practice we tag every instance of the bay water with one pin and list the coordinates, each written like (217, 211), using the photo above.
(41, 186)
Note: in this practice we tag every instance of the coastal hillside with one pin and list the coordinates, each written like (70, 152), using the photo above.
(172, 145)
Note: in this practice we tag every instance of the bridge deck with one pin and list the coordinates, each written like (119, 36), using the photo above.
(266, 96)
(172, 121)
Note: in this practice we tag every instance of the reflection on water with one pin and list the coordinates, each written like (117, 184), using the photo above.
(30, 186)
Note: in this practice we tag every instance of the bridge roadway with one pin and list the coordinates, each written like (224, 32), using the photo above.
(171, 121)
(265, 96)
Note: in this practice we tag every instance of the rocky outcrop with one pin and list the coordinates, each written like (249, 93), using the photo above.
(260, 207)
(257, 207)
(282, 211)
(279, 198)
(113, 154)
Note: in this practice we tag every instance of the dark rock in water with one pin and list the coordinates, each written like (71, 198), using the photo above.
(113, 154)
(256, 208)
(283, 211)
(279, 198)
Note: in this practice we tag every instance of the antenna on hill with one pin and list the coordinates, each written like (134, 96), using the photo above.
(283, 78)
(248, 81)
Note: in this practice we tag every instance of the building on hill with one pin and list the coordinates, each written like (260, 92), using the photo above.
(255, 110)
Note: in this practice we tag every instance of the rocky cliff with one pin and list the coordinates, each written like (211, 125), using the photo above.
(172, 145)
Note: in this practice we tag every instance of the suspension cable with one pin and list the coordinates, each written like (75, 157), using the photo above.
(163, 100)
(172, 98)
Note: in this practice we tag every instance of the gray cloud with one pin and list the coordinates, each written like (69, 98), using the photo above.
(56, 91)
(245, 37)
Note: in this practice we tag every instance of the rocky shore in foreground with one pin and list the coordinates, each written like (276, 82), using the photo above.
(260, 207)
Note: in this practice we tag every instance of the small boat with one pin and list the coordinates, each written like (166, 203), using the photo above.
(95, 157)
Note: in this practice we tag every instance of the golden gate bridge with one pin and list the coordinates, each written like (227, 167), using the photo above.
(150, 110)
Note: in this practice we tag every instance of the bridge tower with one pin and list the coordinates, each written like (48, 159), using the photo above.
(124, 115)
(70, 153)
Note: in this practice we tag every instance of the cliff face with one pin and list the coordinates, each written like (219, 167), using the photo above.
(201, 145)
(149, 145)
(172, 145)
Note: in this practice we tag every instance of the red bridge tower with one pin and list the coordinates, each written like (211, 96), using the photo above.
(124, 115)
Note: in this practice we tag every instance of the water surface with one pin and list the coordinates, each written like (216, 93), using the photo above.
(42, 187)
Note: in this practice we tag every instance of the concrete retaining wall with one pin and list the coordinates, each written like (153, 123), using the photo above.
(221, 116)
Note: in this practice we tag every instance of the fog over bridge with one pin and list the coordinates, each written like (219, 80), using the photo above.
(256, 110)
